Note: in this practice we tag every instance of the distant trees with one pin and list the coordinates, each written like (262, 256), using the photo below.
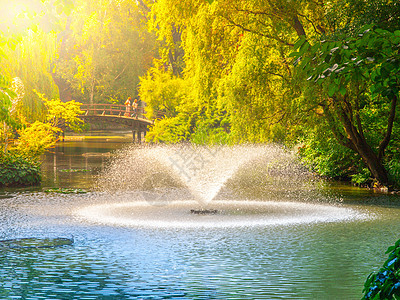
(105, 47)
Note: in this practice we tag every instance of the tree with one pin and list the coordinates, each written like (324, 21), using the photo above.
(35, 138)
(105, 50)
(237, 60)
(21, 56)
(359, 77)
(235, 56)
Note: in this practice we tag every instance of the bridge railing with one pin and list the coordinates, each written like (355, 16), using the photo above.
(112, 110)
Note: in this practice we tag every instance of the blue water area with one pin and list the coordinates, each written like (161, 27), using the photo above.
(303, 261)
(318, 257)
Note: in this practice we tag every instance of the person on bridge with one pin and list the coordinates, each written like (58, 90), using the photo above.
(128, 107)
(135, 108)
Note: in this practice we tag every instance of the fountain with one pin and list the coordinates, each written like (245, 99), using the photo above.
(183, 222)
(181, 186)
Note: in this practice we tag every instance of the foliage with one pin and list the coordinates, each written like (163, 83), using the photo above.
(162, 92)
(371, 56)
(322, 154)
(31, 61)
(6, 94)
(393, 167)
(360, 89)
(235, 63)
(62, 114)
(170, 130)
(362, 177)
(354, 14)
(385, 284)
(106, 48)
(35, 139)
(18, 171)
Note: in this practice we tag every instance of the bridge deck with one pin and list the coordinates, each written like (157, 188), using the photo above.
(116, 113)
(114, 110)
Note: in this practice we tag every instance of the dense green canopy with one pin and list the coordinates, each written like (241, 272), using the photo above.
(322, 75)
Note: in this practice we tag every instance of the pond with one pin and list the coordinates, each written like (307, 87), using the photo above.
(236, 223)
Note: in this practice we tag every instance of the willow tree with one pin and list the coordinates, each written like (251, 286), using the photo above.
(235, 56)
(105, 50)
(31, 60)
(238, 61)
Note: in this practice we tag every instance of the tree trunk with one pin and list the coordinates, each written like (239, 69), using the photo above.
(361, 146)
(92, 91)
(374, 163)
(64, 87)
(357, 142)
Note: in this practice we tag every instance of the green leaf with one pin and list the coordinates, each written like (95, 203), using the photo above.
(294, 54)
(342, 90)
(332, 90)
(305, 62)
(299, 43)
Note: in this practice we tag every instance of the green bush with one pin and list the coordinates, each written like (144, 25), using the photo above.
(18, 171)
(362, 177)
(322, 154)
(385, 284)
(394, 171)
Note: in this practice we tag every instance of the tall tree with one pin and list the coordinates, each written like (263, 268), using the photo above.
(238, 62)
(106, 49)
(236, 59)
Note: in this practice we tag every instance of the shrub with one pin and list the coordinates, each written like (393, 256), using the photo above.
(385, 284)
(322, 154)
(18, 171)
(394, 171)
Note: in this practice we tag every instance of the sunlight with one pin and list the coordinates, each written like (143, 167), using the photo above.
(13, 10)
(16, 13)
(17, 9)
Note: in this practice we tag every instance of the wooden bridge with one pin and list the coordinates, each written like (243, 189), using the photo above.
(116, 113)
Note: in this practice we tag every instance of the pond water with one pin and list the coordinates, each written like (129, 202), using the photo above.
(227, 226)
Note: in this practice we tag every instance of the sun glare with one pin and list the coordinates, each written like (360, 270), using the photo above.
(16, 9)
(16, 13)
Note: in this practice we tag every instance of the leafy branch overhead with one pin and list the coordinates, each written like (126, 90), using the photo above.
(372, 55)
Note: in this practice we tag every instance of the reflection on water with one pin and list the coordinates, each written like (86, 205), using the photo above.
(301, 260)
(74, 162)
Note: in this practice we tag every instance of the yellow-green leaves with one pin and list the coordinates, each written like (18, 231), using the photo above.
(62, 113)
(35, 139)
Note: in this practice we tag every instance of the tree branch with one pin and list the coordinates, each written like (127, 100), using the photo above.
(342, 140)
(258, 33)
(119, 75)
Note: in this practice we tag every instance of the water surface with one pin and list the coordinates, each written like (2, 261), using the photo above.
(316, 257)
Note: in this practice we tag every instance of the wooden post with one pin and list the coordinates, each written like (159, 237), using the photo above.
(139, 136)
(133, 135)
